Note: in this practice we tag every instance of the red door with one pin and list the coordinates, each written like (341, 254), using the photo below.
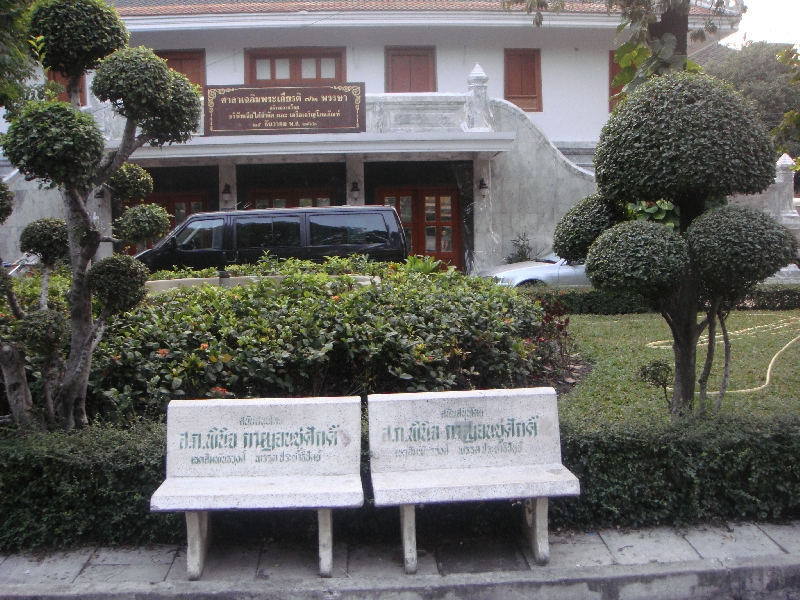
(431, 220)
(181, 204)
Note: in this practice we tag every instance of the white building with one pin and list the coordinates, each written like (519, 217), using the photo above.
(468, 154)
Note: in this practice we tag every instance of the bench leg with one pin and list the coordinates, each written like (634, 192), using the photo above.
(198, 534)
(535, 524)
(325, 542)
(408, 531)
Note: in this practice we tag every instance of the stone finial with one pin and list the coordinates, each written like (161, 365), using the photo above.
(477, 77)
(479, 114)
(785, 161)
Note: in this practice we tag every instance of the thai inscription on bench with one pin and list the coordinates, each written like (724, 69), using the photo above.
(452, 431)
(239, 110)
(241, 440)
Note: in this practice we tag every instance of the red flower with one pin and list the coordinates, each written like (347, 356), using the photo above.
(163, 352)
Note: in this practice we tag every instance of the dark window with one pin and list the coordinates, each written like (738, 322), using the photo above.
(202, 235)
(267, 232)
(341, 229)
(410, 70)
(523, 78)
(290, 66)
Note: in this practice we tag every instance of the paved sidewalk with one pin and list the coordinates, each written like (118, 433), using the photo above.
(736, 561)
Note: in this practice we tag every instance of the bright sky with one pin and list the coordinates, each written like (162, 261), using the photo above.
(775, 21)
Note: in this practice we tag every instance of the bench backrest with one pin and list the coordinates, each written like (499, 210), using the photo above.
(454, 430)
(263, 437)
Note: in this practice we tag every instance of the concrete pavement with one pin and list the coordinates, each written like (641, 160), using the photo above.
(737, 561)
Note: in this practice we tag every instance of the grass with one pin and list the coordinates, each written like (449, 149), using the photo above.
(618, 345)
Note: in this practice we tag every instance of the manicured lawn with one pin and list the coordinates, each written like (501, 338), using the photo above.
(618, 345)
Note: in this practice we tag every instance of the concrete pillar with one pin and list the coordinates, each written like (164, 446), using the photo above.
(355, 173)
(487, 241)
(325, 542)
(198, 539)
(227, 177)
(535, 527)
(408, 531)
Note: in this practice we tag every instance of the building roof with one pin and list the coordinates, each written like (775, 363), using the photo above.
(143, 8)
(711, 54)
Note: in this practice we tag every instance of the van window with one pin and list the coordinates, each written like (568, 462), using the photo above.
(202, 235)
(355, 229)
(267, 232)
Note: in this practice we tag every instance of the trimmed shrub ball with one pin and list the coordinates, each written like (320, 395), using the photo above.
(582, 224)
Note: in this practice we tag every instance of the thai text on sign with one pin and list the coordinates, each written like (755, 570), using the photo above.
(281, 110)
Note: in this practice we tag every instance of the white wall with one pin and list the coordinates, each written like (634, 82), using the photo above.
(574, 62)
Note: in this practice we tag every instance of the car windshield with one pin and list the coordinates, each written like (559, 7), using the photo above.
(552, 258)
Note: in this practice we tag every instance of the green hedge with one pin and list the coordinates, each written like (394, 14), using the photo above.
(61, 489)
(317, 334)
(677, 474)
(591, 301)
(94, 486)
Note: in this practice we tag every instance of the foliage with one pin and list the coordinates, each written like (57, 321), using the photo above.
(582, 224)
(735, 247)
(648, 474)
(422, 264)
(657, 373)
(93, 486)
(6, 201)
(141, 223)
(131, 182)
(589, 300)
(43, 332)
(638, 256)
(77, 34)
(54, 142)
(47, 238)
(118, 282)
(771, 297)
(318, 334)
(660, 211)
(788, 132)
(135, 81)
(756, 72)
(176, 122)
(522, 250)
(651, 147)
(15, 65)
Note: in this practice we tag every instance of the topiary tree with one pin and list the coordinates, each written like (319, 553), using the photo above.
(582, 224)
(57, 144)
(688, 140)
(142, 223)
(733, 248)
(46, 238)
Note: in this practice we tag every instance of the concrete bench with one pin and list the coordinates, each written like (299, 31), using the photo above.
(276, 453)
(461, 446)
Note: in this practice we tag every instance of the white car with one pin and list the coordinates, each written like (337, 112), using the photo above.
(551, 270)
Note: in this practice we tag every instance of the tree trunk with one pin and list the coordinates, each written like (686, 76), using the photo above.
(726, 375)
(674, 21)
(84, 240)
(12, 363)
(681, 312)
(702, 383)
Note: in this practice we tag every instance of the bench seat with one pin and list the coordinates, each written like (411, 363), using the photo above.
(481, 483)
(247, 493)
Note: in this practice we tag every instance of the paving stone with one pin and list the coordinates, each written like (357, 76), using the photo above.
(387, 562)
(636, 547)
(480, 555)
(177, 571)
(292, 561)
(231, 563)
(787, 536)
(61, 567)
(573, 550)
(150, 573)
(134, 556)
(738, 542)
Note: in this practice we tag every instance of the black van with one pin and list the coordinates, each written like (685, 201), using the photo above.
(239, 237)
